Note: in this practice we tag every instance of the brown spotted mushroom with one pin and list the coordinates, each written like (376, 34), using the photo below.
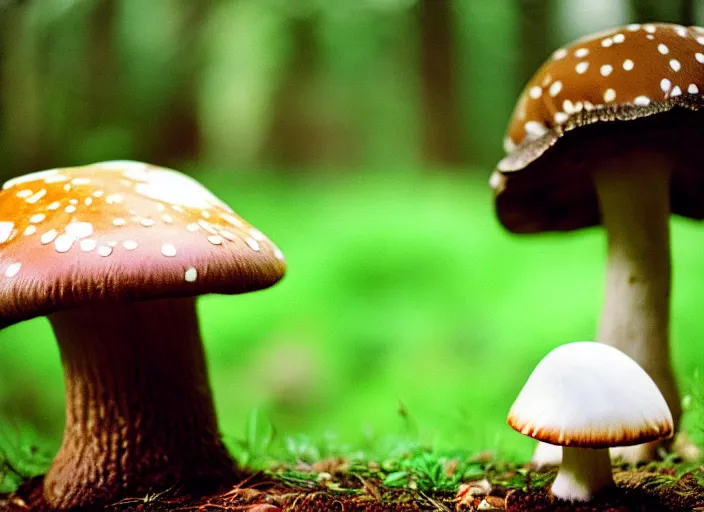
(114, 254)
(608, 131)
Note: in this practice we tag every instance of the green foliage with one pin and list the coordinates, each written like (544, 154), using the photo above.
(22, 456)
(253, 449)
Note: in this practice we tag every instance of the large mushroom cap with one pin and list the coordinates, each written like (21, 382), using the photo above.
(117, 231)
(590, 395)
(595, 98)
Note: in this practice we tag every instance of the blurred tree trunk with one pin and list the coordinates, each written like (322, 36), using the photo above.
(535, 42)
(673, 11)
(441, 130)
(23, 141)
(687, 14)
(102, 64)
(292, 135)
(176, 137)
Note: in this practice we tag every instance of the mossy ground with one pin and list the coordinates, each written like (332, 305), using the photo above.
(336, 484)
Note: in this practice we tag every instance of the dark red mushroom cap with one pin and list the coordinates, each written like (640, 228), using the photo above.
(595, 97)
(122, 231)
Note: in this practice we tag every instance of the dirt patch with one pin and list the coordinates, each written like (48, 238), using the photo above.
(516, 491)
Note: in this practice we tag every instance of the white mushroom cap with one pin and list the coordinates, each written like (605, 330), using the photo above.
(590, 395)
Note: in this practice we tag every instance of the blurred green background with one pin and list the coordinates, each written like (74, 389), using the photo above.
(359, 135)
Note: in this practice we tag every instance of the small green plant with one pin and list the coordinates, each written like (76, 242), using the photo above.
(21, 457)
(253, 450)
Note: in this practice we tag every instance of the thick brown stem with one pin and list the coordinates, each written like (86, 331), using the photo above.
(139, 411)
(634, 197)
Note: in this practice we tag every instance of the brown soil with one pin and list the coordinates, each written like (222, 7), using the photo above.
(350, 492)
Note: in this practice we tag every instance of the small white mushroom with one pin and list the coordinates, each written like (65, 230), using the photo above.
(587, 397)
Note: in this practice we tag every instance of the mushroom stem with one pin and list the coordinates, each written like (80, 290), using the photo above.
(139, 411)
(634, 199)
(583, 473)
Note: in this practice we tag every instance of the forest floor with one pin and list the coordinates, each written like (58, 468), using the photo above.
(335, 485)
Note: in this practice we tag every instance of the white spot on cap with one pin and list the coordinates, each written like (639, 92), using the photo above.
(609, 95)
(676, 91)
(34, 176)
(581, 52)
(80, 181)
(649, 36)
(6, 230)
(205, 214)
(174, 188)
(535, 92)
(118, 221)
(13, 269)
(88, 245)
(252, 243)
(633, 27)
(192, 227)
(700, 57)
(606, 69)
(619, 38)
(650, 29)
(509, 145)
(147, 222)
(607, 42)
(114, 198)
(30, 230)
(130, 245)
(231, 219)
(88, 201)
(555, 88)
(54, 206)
(168, 250)
(681, 31)
(207, 226)
(168, 219)
(73, 201)
(215, 239)
(560, 117)
(49, 236)
(278, 254)
(24, 193)
(63, 243)
(191, 275)
(70, 209)
(120, 165)
(581, 67)
(665, 85)
(98, 193)
(104, 250)
(568, 107)
(692, 89)
(559, 54)
(675, 65)
(662, 48)
(227, 235)
(177, 208)
(700, 40)
(37, 218)
(642, 101)
(79, 230)
(256, 234)
(628, 64)
(535, 129)
(36, 197)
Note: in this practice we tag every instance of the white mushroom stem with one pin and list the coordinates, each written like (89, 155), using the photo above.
(139, 411)
(634, 198)
(583, 473)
